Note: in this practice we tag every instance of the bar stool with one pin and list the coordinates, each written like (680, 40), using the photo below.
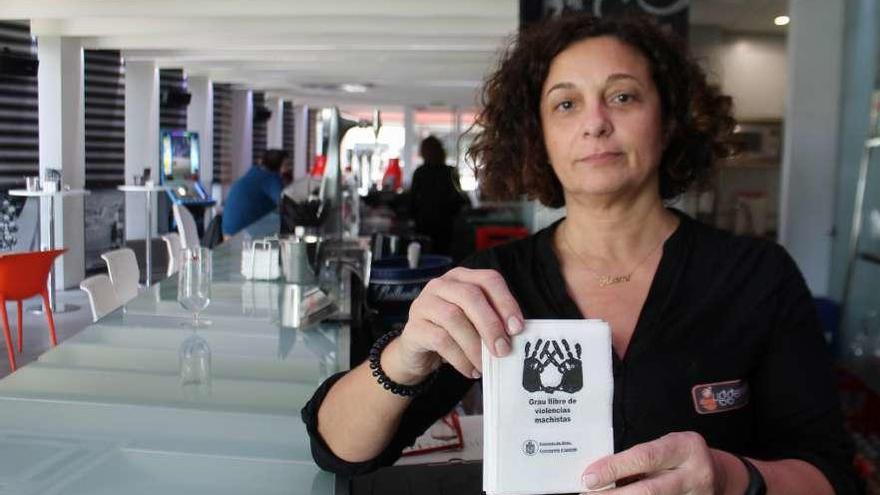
(492, 235)
(22, 276)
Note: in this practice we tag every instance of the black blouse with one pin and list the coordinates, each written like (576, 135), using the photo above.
(727, 344)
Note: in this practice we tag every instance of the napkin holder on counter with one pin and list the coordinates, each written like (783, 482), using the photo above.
(261, 259)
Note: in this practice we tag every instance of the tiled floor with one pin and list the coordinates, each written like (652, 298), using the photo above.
(36, 328)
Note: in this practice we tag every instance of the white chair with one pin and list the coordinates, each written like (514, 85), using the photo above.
(124, 273)
(102, 297)
(28, 221)
(172, 242)
(186, 227)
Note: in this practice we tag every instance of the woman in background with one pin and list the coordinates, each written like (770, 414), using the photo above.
(435, 196)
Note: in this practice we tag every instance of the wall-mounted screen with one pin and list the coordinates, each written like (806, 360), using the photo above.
(179, 152)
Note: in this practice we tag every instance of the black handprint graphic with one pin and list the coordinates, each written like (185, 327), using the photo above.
(532, 368)
(568, 364)
(572, 369)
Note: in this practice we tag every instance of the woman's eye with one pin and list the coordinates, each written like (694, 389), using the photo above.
(622, 98)
(565, 105)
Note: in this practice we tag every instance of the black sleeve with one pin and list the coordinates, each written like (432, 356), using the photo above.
(798, 415)
(443, 395)
(446, 391)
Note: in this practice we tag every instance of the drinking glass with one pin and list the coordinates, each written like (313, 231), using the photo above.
(194, 281)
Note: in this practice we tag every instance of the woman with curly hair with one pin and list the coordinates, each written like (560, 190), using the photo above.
(722, 384)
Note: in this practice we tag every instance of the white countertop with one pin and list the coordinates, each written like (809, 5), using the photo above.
(134, 188)
(35, 194)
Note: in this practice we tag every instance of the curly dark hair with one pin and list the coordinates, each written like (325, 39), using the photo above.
(509, 149)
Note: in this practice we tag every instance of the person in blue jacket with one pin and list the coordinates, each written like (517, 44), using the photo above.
(256, 193)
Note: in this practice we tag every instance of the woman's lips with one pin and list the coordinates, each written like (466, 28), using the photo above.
(601, 157)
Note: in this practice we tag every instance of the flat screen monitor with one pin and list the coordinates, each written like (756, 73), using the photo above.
(179, 151)
(179, 154)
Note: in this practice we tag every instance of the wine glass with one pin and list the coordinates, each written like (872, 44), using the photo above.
(194, 281)
(194, 294)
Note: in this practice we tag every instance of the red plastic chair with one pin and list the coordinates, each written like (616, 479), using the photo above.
(493, 235)
(22, 276)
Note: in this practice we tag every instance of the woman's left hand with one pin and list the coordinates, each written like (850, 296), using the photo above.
(677, 463)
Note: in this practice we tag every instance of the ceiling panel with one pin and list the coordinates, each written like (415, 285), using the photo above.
(410, 52)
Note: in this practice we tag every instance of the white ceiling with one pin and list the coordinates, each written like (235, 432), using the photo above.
(410, 51)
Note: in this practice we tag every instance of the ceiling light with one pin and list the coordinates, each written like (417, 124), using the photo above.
(329, 88)
(781, 20)
(353, 88)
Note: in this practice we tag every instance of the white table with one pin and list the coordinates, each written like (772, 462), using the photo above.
(50, 242)
(104, 412)
(148, 237)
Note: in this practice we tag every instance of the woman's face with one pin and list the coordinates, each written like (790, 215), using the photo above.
(601, 119)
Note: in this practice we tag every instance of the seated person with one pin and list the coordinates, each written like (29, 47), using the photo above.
(256, 193)
(611, 118)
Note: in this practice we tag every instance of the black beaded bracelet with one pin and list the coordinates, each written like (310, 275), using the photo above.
(757, 486)
(387, 383)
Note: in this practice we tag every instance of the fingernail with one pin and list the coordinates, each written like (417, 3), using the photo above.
(514, 325)
(502, 348)
(590, 480)
(475, 375)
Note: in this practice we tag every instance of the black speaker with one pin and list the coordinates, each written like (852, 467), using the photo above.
(17, 64)
(175, 98)
(262, 113)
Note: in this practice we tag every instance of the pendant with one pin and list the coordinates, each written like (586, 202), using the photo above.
(606, 280)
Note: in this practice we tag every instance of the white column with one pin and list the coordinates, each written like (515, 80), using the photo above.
(815, 44)
(200, 119)
(410, 146)
(141, 140)
(275, 125)
(242, 132)
(62, 147)
(300, 140)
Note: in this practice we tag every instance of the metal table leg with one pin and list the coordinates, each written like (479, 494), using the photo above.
(64, 308)
(148, 238)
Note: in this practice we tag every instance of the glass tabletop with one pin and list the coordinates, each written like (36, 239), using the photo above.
(107, 411)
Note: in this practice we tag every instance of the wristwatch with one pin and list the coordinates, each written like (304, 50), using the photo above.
(757, 486)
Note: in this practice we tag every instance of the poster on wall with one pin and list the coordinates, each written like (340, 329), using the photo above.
(673, 13)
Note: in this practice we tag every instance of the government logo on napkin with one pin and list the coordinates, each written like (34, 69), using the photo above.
(547, 407)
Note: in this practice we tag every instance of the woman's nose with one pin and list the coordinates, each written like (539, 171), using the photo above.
(596, 122)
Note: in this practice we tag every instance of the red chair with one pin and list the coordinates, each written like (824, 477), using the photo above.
(22, 276)
(493, 235)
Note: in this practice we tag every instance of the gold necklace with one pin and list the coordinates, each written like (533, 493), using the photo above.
(606, 280)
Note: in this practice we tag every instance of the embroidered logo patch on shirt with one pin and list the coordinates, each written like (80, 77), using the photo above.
(711, 398)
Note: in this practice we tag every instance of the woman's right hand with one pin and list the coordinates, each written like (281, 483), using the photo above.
(449, 321)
